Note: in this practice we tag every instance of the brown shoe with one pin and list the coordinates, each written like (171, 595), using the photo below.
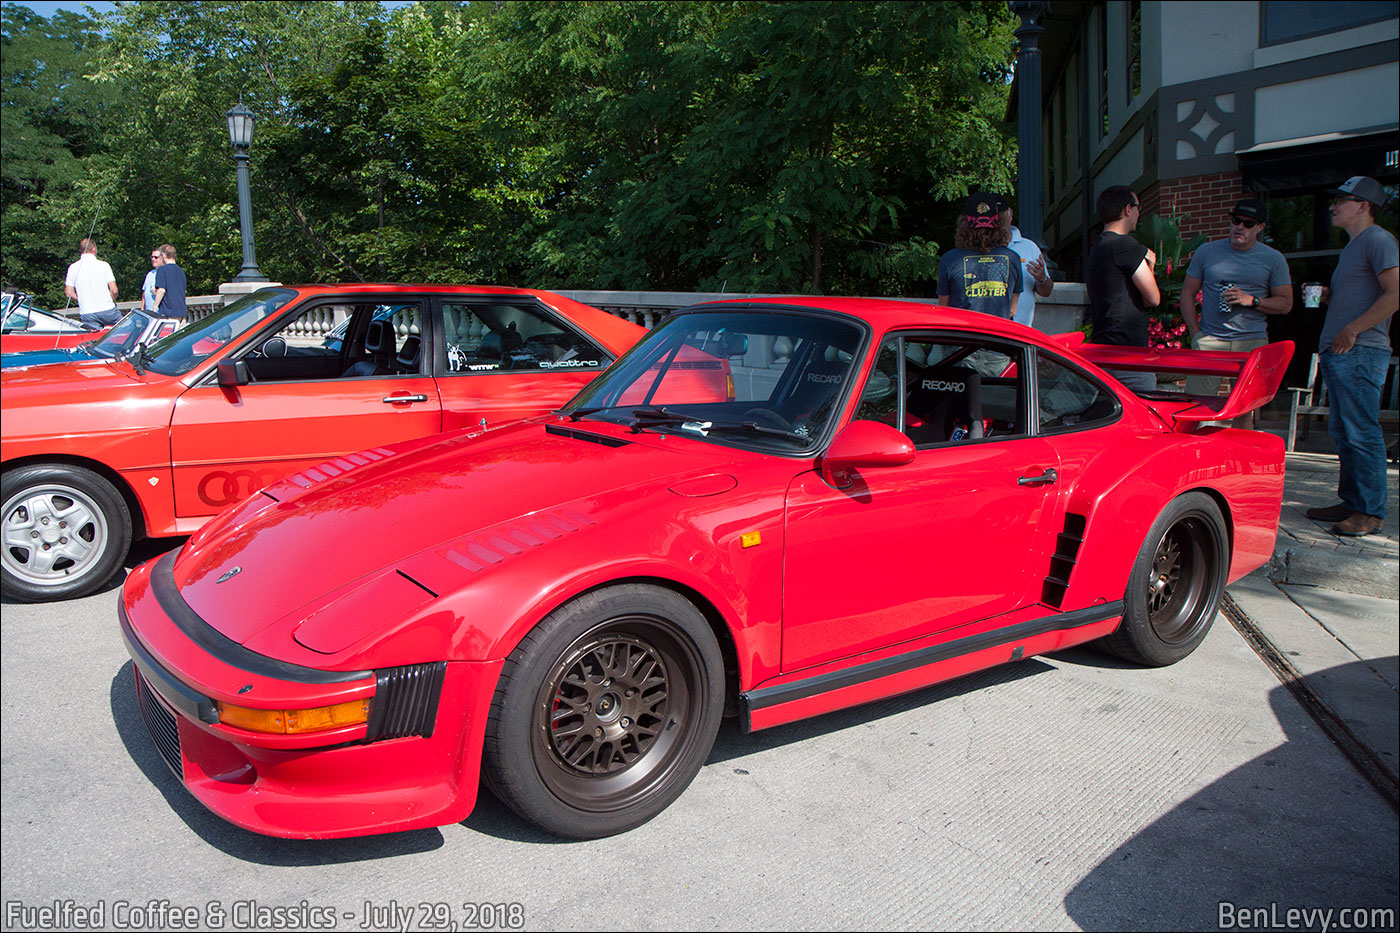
(1333, 513)
(1358, 524)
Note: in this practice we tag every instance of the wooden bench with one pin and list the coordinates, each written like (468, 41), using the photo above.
(1312, 399)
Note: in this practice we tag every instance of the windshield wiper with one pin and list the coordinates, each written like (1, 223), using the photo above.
(135, 356)
(746, 427)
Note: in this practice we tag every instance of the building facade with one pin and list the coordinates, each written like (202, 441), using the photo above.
(1197, 104)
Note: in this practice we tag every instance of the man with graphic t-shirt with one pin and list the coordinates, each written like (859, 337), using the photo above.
(1120, 282)
(981, 274)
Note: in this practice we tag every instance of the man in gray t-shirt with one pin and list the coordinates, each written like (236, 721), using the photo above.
(1354, 353)
(1241, 281)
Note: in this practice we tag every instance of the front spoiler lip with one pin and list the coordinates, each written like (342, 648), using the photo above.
(174, 691)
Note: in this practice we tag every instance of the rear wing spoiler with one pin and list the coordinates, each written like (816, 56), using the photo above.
(1257, 374)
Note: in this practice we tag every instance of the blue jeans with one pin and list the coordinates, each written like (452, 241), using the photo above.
(1354, 382)
(101, 318)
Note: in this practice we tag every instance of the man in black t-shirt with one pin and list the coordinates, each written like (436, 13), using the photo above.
(1120, 282)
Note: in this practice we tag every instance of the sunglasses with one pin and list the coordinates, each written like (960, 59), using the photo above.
(1339, 200)
(1244, 222)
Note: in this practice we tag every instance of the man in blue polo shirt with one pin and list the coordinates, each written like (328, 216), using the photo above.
(170, 286)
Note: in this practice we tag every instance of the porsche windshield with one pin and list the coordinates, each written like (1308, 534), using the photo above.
(189, 346)
(771, 379)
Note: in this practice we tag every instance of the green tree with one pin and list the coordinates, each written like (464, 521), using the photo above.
(53, 126)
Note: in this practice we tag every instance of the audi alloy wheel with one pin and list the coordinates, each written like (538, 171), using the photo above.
(65, 531)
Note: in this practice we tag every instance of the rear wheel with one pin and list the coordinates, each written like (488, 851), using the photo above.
(65, 532)
(1176, 584)
(605, 712)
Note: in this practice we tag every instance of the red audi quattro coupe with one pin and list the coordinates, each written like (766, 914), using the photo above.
(156, 440)
(885, 495)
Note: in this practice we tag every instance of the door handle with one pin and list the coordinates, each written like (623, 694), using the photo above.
(1044, 479)
(396, 399)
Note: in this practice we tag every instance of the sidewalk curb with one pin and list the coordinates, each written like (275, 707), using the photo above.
(1376, 772)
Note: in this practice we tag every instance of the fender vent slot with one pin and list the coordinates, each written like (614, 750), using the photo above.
(406, 701)
(1067, 545)
(578, 435)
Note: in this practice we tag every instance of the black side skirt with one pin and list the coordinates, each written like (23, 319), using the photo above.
(874, 670)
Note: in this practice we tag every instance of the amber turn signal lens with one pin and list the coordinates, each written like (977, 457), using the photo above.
(294, 721)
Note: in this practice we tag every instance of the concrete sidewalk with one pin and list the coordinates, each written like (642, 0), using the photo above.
(1325, 613)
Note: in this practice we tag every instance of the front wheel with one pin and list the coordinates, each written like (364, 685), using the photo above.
(605, 712)
(65, 529)
(1176, 584)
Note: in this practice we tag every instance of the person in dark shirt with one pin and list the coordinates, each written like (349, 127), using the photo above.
(170, 286)
(982, 274)
(1120, 281)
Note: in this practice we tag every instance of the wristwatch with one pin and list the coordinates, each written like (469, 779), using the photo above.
(1256, 301)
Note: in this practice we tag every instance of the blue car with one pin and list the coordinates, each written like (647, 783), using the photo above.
(126, 335)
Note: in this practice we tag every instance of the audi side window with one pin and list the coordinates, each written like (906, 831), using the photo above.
(953, 392)
(499, 336)
(1070, 400)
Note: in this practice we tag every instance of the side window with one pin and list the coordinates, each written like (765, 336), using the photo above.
(493, 336)
(335, 341)
(951, 390)
(1068, 399)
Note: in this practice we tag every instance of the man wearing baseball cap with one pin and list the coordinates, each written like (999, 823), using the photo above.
(1241, 281)
(981, 274)
(1354, 351)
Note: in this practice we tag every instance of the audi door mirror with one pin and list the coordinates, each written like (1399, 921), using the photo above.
(233, 373)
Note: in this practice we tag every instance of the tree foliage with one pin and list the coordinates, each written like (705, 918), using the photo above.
(814, 146)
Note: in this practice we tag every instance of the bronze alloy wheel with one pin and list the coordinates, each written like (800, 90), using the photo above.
(605, 711)
(1176, 583)
(612, 713)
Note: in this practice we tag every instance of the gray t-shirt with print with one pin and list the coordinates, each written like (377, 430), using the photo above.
(1255, 271)
(1356, 286)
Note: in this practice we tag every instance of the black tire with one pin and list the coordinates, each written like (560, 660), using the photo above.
(65, 529)
(1176, 584)
(605, 712)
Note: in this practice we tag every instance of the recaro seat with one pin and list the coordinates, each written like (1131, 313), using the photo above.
(942, 399)
(379, 344)
(407, 360)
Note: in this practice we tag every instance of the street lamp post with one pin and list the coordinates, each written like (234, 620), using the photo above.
(1029, 196)
(240, 134)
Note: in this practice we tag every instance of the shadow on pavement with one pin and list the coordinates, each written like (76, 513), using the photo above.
(1277, 833)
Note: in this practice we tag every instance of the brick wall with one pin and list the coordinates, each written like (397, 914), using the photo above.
(1206, 198)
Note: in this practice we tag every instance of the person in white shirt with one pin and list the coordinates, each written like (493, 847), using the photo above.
(92, 285)
(1032, 270)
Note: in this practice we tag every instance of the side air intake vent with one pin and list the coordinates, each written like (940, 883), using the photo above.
(1067, 546)
(406, 701)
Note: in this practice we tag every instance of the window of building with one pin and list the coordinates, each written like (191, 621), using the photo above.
(1134, 32)
(1103, 71)
(1286, 20)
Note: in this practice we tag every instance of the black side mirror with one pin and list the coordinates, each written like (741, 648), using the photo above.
(233, 373)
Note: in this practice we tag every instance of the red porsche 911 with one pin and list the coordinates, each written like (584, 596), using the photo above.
(882, 496)
(154, 440)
